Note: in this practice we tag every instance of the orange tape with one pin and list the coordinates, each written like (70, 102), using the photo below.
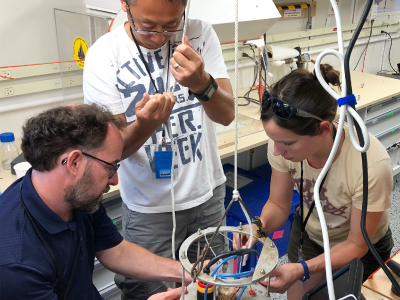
(291, 7)
(303, 5)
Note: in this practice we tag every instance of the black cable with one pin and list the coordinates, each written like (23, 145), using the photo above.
(246, 95)
(239, 252)
(390, 48)
(349, 91)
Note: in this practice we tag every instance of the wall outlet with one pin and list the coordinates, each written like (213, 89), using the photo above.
(70, 66)
(374, 12)
(71, 81)
(9, 91)
(6, 73)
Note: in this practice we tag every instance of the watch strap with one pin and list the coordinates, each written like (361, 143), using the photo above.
(209, 92)
(306, 271)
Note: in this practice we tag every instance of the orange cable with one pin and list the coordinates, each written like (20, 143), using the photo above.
(7, 77)
(366, 49)
(30, 65)
(109, 27)
(49, 63)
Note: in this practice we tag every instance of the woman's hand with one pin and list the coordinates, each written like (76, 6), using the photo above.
(245, 240)
(286, 275)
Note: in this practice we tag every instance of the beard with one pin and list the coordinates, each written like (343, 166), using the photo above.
(79, 197)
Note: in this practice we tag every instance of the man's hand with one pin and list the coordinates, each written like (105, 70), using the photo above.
(286, 275)
(152, 111)
(170, 294)
(245, 238)
(190, 72)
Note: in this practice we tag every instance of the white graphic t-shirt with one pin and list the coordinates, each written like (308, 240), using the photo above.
(115, 76)
(342, 188)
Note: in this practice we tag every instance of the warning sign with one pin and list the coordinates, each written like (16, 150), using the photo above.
(292, 13)
(80, 49)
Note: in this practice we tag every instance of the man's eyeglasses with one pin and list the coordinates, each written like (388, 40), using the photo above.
(284, 110)
(112, 171)
(152, 32)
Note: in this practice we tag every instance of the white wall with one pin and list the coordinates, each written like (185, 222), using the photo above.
(28, 36)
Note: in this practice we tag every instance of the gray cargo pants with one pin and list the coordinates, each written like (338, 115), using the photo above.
(154, 231)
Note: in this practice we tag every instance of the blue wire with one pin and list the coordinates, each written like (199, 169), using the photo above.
(237, 275)
(215, 271)
(239, 264)
(241, 293)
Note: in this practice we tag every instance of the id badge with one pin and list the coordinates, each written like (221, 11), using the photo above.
(163, 163)
(301, 256)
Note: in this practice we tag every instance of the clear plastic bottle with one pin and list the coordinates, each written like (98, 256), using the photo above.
(8, 150)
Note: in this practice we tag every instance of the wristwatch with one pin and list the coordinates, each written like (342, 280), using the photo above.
(208, 93)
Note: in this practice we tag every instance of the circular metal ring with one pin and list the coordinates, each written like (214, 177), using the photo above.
(266, 263)
(176, 65)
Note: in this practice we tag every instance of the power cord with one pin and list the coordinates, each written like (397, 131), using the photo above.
(246, 95)
(390, 48)
(364, 208)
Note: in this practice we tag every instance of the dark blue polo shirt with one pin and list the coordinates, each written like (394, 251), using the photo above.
(27, 270)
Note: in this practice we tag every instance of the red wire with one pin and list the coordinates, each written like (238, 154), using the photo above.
(111, 23)
(234, 293)
(239, 288)
(366, 49)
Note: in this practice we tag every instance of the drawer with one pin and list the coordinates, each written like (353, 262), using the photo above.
(111, 293)
(384, 123)
(113, 207)
(389, 137)
(100, 273)
(382, 108)
(103, 278)
(394, 154)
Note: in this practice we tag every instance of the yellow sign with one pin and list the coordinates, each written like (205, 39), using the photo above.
(80, 49)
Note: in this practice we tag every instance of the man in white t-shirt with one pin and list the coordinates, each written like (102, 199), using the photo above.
(143, 57)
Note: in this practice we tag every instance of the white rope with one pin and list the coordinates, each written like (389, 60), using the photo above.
(345, 110)
(235, 191)
(173, 149)
(183, 34)
(236, 88)
(205, 237)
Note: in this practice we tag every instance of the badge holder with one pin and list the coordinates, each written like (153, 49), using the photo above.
(163, 162)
